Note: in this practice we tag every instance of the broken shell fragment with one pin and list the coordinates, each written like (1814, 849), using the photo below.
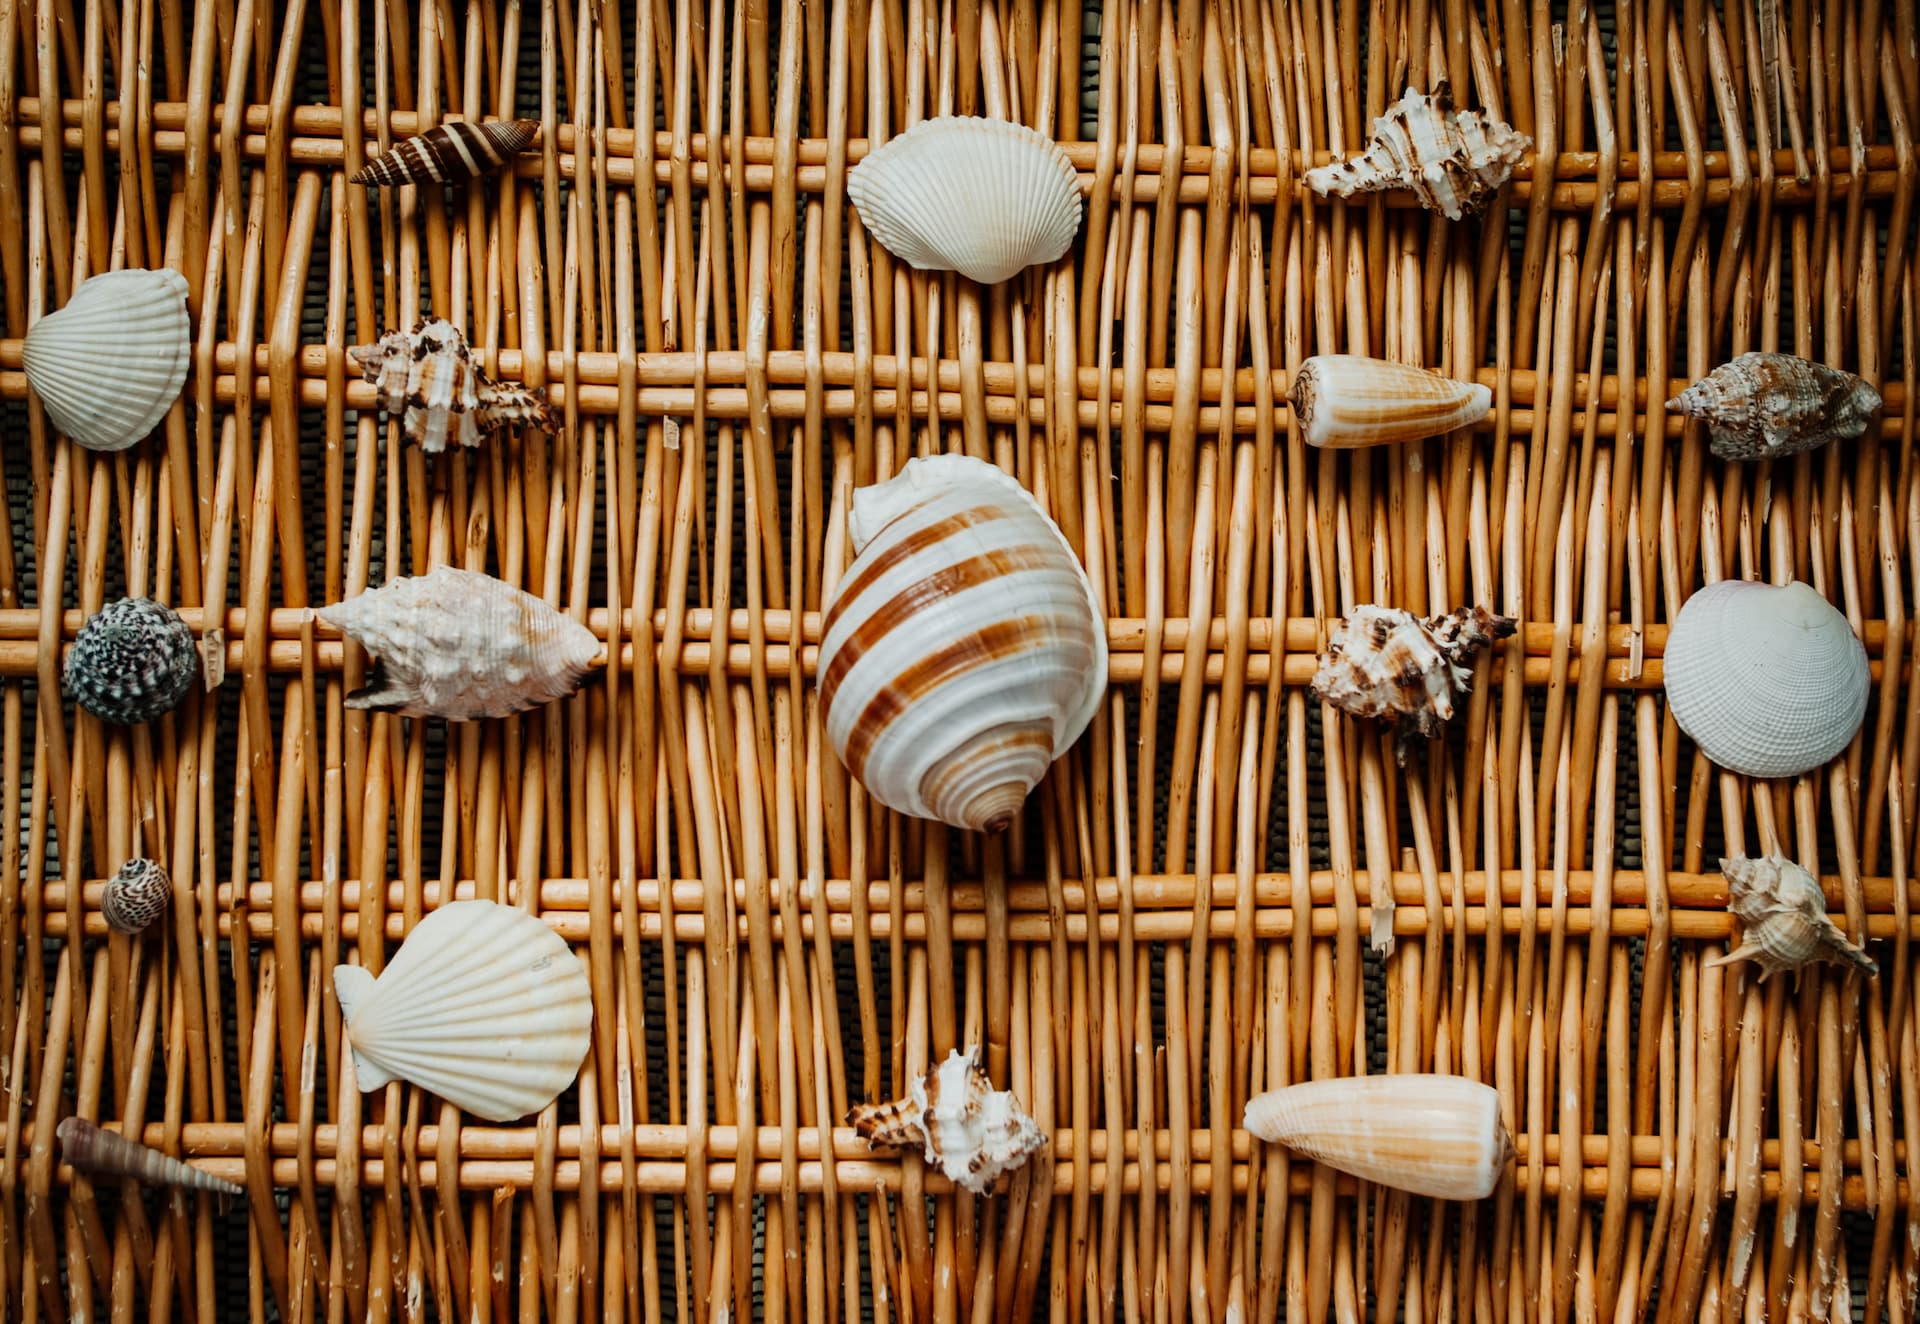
(427, 378)
(133, 661)
(1342, 401)
(136, 896)
(461, 645)
(1388, 664)
(1433, 1135)
(450, 153)
(110, 364)
(1453, 162)
(972, 1132)
(87, 1148)
(1766, 406)
(1783, 918)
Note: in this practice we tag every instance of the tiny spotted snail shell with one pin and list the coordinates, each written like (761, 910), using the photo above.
(136, 896)
(963, 649)
(1783, 918)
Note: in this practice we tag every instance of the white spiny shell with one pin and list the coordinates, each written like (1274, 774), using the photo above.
(1440, 1136)
(483, 1005)
(1783, 918)
(1453, 163)
(1343, 401)
(462, 645)
(1387, 664)
(986, 198)
(963, 652)
(972, 1131)
(1768, 681)
(110, 364)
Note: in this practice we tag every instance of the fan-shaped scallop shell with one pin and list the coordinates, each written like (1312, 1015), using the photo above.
(110, 364)
(1783, 918)
(1768, 682)
(1452, 162)
(450, 153)
(986, 198)
(462, 645)
(1432, 1135)
(1388, 664)
(1347, 400)
(88, 1148)
(131, 662)
(963, 652)
(483, 1005)
(1764, 406)
(136, 896)
(970, 1130)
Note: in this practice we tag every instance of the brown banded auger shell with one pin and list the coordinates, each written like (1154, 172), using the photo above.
(1452, 162)
(427, 378)
(968, 1129)
(1432, 1135)
(1765, 406)
(1342, 401)
(87, 1148)
(1783, 918)
(449, 153)
(1388, 664)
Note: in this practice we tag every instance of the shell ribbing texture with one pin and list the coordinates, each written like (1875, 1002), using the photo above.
(1452, 162)
(132, 662)
(450, 153)
(1348, 400)
(1767, 406)
(962, 651)
(136, 896)
(1432, 1135)
(110, 364)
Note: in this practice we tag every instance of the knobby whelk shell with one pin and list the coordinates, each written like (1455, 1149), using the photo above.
(1348, 400)
(1765, 406)
(449, 153)
(87, 1148)
(1452, 162)
(1783, 918)
(986, 198)
(461, 645)
(133, 661)
(963, 651)
(1386, 663)
(483, 1005)
(427, 378)
(110, 364)
(972, 1132)
(1767, 681)
(1439, 1136)
(136, 896)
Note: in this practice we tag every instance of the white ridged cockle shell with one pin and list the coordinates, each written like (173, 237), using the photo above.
(1440, 1136)
(1342, 401)
(963, 652)
(953, 1114)
(110, 364)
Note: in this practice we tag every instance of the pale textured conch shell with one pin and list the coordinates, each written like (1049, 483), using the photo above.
(427, 378)
(110, 364)
(1766, 406)
(1452, 162)
(1783, 918)
(986, 198)
(1432, 1135)
(483, 1005)
(972, 1132)
(1388, 664)
(963, 651)
(89, 1149)
(461, 645)
(1767, 681)
(1342, 401)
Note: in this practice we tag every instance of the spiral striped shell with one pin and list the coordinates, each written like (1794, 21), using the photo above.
(136, 896)
(963, 649)
(133, 661)
(450, 153)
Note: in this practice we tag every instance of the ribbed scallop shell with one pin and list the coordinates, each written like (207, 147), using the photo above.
(1453, 163)
(1439, 1136)
(970, 1130)
(133, 661)
(462, 645)
(1343, 401)
(450, 153)
(983, 197)
(962, 652)
(1388, 664)
(1783, 918)
(136, 896)
(483, 1005)
(110, 364)
(1765, 406)
(1768, 681)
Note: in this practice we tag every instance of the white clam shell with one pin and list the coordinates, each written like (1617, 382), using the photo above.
(986, 198)
(483, 1005)
(110, 364)
(1767, 681)
(1439, 1136)
(963, 651)
(462, 645)
(1342, 401)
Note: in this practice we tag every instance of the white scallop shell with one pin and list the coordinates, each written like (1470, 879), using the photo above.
(483, 1005)
(1768, 681)
(986, 198)
(110, 364)
(1439, 1136)
(963, 649)
(462, 645)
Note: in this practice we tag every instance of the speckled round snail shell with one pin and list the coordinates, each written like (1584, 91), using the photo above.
(133, 661)
(136, 896)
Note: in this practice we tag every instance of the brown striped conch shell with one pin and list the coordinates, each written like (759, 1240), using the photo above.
(1765, 406)
(110, 364)
(1438, 1136)
(87, 1148)
(483, 1005)
(972, 1132)
(136, 896)
(1783, 918)
(461, 645)
(427, 378)
(1390, 665)
(962, 651)
(1452, 162)
(1342, 401)
(450, 153)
